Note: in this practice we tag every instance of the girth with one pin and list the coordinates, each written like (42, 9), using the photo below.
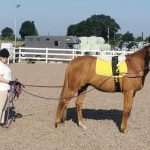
(116, 73)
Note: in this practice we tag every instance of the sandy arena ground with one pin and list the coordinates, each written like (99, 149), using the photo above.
(102, 115)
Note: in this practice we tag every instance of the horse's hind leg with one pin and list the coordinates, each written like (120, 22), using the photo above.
(79, 102)
(62, 106)
(128, 100)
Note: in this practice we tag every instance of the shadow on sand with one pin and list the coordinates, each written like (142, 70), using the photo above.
(112, 114)
(11, 115)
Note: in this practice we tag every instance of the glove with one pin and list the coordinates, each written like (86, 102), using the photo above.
(12, 82)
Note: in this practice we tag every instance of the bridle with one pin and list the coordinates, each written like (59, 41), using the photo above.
(133, 73)
(136, 72)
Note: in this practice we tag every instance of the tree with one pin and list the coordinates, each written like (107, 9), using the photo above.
(128, 37)
(28, 29)
(118, 37)
(139, 39)
(7, 33)
(147, 39)
(96, 25)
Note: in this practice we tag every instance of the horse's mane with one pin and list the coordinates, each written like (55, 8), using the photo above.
(141, 50)
(147, 46)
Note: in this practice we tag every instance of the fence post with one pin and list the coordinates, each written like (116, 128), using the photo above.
(46, 55)
(73, 54)
(19, 54)
(14, 55)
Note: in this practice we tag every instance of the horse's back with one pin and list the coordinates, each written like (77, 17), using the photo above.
(83, 59)
(82, 63)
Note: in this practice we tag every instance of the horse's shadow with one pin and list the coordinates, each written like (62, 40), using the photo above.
(112, 114)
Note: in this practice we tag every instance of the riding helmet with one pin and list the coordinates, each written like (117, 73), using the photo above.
(4, 53)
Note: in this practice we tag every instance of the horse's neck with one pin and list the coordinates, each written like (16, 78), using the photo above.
(141, 54)
(137, 60)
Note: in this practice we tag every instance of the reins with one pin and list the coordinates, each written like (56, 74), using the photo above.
(147, 67)
(49, 86)
(50, 98)
(43, 86)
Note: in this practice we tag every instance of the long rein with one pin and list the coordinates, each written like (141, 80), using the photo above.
(50, 98)
(59, 87)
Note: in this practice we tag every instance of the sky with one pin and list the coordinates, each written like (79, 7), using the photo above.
(53, 17)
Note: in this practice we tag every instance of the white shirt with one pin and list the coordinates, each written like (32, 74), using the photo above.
(6, 73)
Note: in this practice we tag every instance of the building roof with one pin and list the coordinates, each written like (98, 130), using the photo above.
(69, 39)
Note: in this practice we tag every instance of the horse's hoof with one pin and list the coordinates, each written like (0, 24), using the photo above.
(82, 126)
(125, 131)
(59, 124)
(56, 124)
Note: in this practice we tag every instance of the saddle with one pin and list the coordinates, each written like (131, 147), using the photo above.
(112, 67)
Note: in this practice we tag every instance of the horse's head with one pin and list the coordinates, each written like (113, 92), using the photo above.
(147, 50)
(147, 58)
(148, 47)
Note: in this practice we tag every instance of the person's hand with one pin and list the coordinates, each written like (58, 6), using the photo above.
(17, 87)
(12, 82)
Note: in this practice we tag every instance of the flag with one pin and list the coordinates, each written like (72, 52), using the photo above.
(17, 6)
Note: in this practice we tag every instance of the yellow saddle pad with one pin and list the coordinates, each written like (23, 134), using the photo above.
(104, 68)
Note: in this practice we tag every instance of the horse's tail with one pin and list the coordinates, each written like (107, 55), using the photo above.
(65, 85)
(61, 116)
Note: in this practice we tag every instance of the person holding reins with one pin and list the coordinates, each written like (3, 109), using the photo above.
(5, 82)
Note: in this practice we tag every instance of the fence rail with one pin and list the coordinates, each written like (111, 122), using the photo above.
(51, 54)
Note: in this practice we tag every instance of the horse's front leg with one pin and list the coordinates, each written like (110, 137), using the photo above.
(128, 100)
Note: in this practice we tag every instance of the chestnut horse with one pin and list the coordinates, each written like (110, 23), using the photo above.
(81, 72)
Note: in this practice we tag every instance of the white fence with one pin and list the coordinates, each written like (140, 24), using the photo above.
(50, 54)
